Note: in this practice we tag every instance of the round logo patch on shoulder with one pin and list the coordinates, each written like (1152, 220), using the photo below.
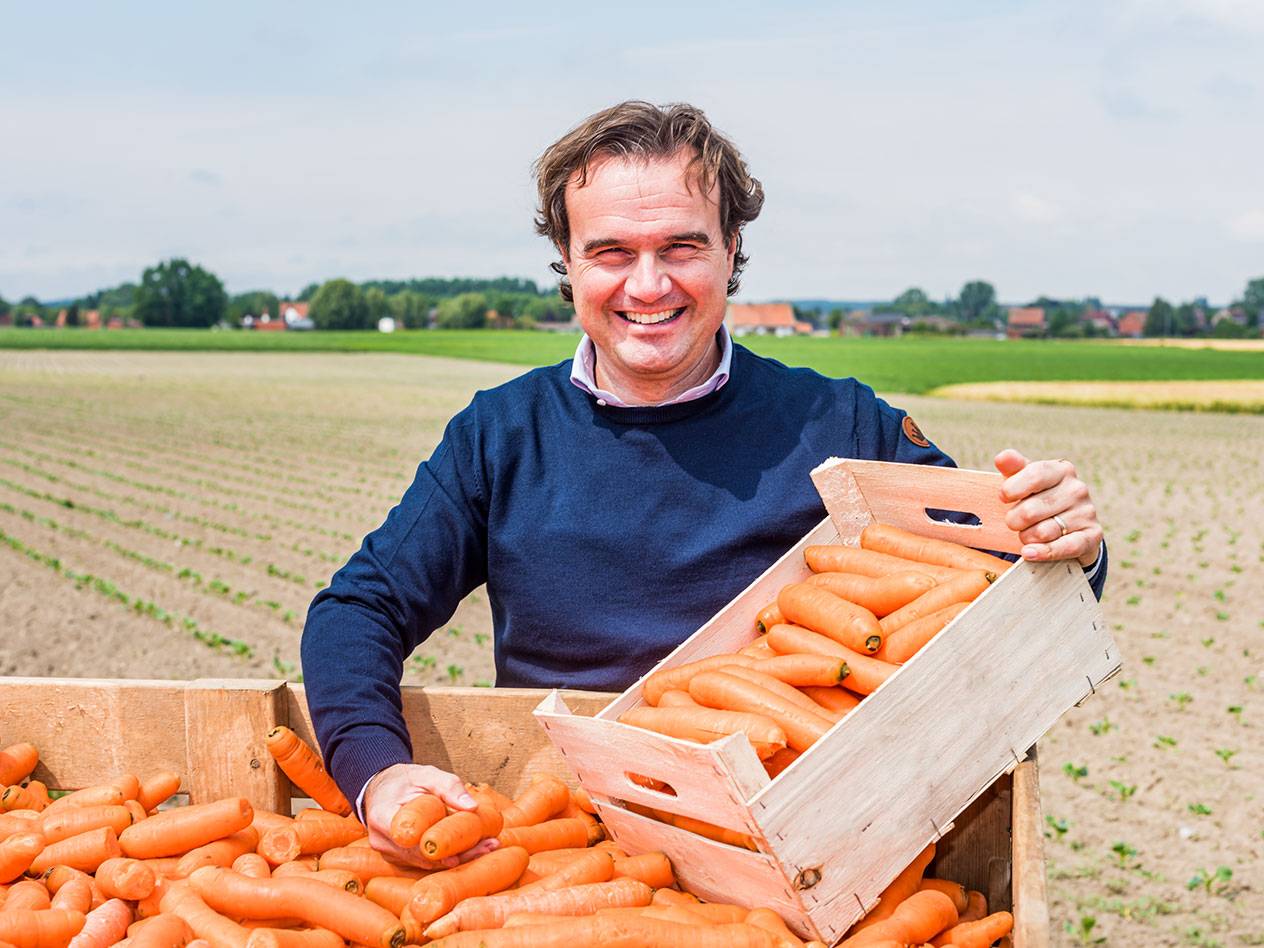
(914, 433)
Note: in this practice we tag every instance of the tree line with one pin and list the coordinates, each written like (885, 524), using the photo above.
(177, 293)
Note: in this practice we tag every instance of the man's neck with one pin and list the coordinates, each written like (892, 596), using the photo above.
(643, 392)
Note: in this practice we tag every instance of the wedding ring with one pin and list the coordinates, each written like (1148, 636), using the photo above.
(1062, 524)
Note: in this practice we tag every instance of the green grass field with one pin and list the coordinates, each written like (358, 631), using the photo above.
(909, 364)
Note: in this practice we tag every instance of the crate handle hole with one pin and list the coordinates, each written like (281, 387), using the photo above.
(952, 518)
(650, 783)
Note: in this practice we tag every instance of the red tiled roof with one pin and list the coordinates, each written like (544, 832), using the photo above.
(1027, 316)
(768, 315)
(1132, 323)
(300, 309)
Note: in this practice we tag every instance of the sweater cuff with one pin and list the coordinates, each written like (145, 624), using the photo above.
(361, 760)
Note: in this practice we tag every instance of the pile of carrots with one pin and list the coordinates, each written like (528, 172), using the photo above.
(822, 646)
(104, 866)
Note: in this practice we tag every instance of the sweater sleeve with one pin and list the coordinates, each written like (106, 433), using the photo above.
(405, 581)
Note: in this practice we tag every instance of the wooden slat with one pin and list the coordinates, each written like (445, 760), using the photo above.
(486, 735)
(226, 723)
(1031, 901)
(89, 730)
(980, 835)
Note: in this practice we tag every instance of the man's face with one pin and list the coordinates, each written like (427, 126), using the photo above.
(649, 268)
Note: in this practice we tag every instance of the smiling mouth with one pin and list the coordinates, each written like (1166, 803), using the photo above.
(651, 319)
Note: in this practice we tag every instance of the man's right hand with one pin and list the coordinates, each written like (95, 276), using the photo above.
(396, 785)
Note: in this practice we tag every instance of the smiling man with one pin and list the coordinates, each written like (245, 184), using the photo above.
(613, 502)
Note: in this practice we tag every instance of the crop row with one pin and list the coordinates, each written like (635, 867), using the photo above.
(143, 607)
(214, 587)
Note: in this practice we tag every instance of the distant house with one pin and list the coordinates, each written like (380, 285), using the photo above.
(1025, 322)
(764, 319)
(1132, 323)
(878, 323)
(1101, 321)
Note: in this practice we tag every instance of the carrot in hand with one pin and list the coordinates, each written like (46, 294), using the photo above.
(415, 817)
(462, 830)
(304, 768)
(821, 611)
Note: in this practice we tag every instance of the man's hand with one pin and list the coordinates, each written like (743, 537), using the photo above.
(1054, 515)
(395, 786)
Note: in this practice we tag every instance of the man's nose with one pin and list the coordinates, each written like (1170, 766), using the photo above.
(649, 280)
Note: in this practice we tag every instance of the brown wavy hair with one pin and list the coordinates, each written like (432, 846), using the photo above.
(636, 129)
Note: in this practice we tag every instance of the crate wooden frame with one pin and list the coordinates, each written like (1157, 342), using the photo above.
(827, 843)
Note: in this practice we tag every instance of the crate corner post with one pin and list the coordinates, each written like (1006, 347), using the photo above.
(226, 723)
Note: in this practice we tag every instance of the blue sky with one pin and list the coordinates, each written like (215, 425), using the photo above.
(1067, 148)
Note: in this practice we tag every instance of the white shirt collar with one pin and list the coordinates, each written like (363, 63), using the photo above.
(584, 375)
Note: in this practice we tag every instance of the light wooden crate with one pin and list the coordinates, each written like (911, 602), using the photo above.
(840, 823)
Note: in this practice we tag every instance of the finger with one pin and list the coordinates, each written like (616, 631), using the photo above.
(1035, 477)
(447, 787)
(1068, 498)
(480, 849)
(1009, 462)
(1072, 546)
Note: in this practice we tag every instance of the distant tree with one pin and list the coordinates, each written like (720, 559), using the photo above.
(4, 306)
(308, 292)
(1064, 317)
(913, 302)
(72, 314)
(1228, 329)
(1185, 321)
(835, 318)
(253, 303)
(1253, 301)
(340, 304)
(549, 309)
(976, 299)
(376, 303)
(463, 311)
(410, 309)
(178, 293)
(1160, 319)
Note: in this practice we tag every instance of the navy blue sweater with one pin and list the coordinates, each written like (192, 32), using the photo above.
(606, 536)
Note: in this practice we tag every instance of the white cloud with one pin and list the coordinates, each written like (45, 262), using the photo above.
(1036, 209)
(1248, 226)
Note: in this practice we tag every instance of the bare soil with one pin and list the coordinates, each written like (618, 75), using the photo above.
(152, 503)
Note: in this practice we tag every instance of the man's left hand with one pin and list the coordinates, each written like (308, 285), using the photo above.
(1053, 514)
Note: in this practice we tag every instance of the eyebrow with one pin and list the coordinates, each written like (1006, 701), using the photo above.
(693, 236)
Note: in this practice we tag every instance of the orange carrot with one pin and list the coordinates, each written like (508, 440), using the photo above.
(50, 928)
(916, 920)
(551, 834)
(100, 795)
(17, 853)
(34, 796)
(851, 559)
(392, 893)
(461, 830)
(415, 817)
(673, 897)
(265, 820)
(780, 761)
(717, 689)
(832, 699)
(129, 784)
(689, 824)
(220, 852)
(164, 866)
(18, 821)
(954, 890)
(799, 670)
(157, 789)
(675, 698)
(292, 938)
(85, 851)
(252, 865)
(821, 611)
(339, 879)
(964, 587)
(437, 894)
(884, 538)
(704, 725)
(774, 684)
(905, 641)
(595, 865)
(122, 878)
(769, 616)
(757, 650)
(183, 900)
(134, 807)
(976, 907)
(867, 672)
(354, 918)
(547, 863)
(899, 889)
(72, 821)
(160, 931)
(491, 794)
(678, 677)
(653, 868)
(543, 799)
(104, 926)
(491, 911)
(75, 894)
(16, 763)
(183, 828)
(152, 905)
(977, 934)
(582, 800)
(27, 894)
(773, 923)
(305, 770)
(308, 837)
(613, 930)
(881, 595)
(366, 863)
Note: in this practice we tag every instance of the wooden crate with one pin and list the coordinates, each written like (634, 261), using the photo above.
(840, 823)
(88, 730)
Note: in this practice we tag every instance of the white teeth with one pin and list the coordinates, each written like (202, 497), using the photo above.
(647, 319)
